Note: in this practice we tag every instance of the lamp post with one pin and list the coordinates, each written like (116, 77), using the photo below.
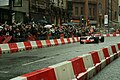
(108, 16)
(10, 11)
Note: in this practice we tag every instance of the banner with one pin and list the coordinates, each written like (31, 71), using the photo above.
(106, 20)
(4, 2)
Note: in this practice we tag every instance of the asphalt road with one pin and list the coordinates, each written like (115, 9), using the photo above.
(16, 64)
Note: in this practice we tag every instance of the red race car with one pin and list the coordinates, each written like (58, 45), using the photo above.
(94, 38)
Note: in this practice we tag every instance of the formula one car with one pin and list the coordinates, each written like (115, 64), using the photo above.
(94, 38)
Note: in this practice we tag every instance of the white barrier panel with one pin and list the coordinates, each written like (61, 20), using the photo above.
(5, 48)
(33, 44)
(44, 44)
(117, 34)
(111, 35)
(110, 53)
(118, 51)
(52, 42)
(75, 39)
(21, 46)
(59, 41)
(89, 65)
(65, 41)
(102, 58)
(104, 35)
(19, 78)
(63, 71)
(71, 40)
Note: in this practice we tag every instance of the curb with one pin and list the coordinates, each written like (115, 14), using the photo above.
(79, 68)
(21, 46)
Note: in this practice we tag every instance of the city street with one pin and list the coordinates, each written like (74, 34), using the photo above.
(16, 64)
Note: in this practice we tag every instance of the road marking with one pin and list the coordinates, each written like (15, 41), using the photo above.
(4, 72)
(37, 61)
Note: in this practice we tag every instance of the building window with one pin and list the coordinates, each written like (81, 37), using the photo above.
(119, 10)
(90, 11)
(17, 3)
(76, 10)
(116, 15)
(82, 11)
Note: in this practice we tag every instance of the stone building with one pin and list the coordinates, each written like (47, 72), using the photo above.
(14, 11)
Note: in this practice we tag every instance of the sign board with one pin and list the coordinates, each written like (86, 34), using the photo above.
(4, 2)
(106, 20)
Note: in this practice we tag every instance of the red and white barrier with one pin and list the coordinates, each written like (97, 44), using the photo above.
(20, 46)
(106, 55)
(63, 71)
(88, 62)
(102, 58)
(5, 48)
(43, 74)
(80, 71)
(96, 60)
(79, 68)
(111, 35)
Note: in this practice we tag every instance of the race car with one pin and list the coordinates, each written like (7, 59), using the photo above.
(94, 38)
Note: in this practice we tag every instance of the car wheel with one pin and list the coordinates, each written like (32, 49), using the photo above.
(81, 41)
(96, 39)
(102, 39)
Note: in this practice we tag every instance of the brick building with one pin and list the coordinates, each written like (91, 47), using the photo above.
(94, 10)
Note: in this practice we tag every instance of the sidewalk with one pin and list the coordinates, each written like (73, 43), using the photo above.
(110, 72)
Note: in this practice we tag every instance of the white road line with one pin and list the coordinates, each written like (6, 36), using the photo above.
(37, 61)
(4, 72)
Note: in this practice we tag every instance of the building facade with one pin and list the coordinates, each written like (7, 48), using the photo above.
(119, 11)
(15, 11)
(94, 10)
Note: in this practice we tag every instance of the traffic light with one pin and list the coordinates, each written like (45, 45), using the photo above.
(82, 19)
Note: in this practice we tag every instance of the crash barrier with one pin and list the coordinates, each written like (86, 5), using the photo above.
(21, 46)
(79, 68)
(111, 35)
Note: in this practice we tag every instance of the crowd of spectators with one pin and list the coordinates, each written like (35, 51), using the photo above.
(24, 32)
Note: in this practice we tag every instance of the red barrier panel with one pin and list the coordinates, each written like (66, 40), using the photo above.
(56, 42)
(43, 74)
(79, 68)
(68, 40)
(78, 40)
(114, 51)
(48, 43)
(114, 34)
(1, 39)
(39, 44)
(118, 46)
(13, 47)
(96, 60)
(27, 45)
(7, 39)
(73, 39)
(108, 35)
(62, 40)
(106, 55)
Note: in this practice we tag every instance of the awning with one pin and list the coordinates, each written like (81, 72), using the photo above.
(76, 21)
